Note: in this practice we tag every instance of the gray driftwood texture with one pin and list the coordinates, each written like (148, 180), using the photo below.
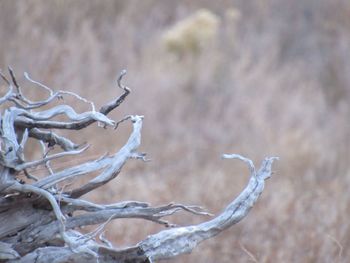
(38, 216)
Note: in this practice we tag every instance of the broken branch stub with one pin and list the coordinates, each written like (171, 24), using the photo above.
(39, 219)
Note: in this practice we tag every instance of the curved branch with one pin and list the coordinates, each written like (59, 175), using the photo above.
(244, 159)
(77, 125)
(172, 242)
(69, 112)
(33, 225)
(112, 165)
(7, 96)
(165, 244)
(26, 188)
(117, 162)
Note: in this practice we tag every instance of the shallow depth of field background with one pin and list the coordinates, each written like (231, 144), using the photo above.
(268, 77)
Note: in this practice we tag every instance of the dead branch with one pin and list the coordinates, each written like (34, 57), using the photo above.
(40, 219)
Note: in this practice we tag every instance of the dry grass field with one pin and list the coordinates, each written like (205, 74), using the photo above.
(259, 78)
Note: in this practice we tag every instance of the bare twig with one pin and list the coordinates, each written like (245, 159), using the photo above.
(339, 245)
(14, 81)
(48, 158)
(9, 93)
(77, 125)
(4, 78)
(122, 120)
(45, 153)
(115, 103)
(247, 161)
(250, 254)
(50, 91)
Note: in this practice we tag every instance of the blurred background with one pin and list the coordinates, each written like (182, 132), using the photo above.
(259, 78)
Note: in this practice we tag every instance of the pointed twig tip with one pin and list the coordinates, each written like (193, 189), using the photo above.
(119, 81)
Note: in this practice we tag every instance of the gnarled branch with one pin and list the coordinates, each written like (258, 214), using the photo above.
(40, 218)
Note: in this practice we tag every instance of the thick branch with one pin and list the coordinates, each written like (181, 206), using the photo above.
(167, 243)
(52, 139)
(126, 152)
(64, 254)
(112, 165)
(172, 242)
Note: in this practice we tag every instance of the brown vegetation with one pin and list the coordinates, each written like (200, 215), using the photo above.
(273, 82)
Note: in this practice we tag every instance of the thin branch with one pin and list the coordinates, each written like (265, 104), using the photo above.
(9, 93)
(19, 96)
(7, 96)
(48, 158)
(339, 245)
(128, 117)
(45, 153)
(101, 214)
(96, 231)
(36, 104)
(250, 254)
(77, 125)
(120, 78)
(26, 75)
(5, 79)
(93, 109)
(246, 160)
(14, 81)
(115, 103)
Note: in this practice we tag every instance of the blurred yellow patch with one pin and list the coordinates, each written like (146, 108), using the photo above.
(192, 33)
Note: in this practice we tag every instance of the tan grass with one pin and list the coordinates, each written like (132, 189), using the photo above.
(280, 86)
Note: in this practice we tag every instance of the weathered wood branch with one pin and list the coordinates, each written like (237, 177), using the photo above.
(52, 139)
(39, 219)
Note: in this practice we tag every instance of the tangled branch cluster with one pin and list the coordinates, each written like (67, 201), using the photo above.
(39, 217)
